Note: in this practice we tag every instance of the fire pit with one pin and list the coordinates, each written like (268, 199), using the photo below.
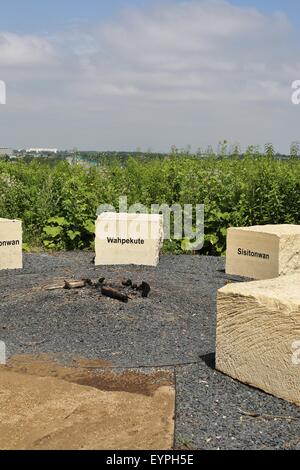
(122, 292)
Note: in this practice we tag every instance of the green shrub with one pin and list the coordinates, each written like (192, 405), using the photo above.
(58, 203)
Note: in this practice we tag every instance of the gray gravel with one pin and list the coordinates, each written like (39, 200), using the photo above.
(174, 328)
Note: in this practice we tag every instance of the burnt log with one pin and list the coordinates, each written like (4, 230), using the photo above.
(114, 294)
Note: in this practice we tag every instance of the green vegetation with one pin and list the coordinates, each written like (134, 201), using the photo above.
(58, 203)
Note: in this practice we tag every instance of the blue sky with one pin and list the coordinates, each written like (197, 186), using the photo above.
(43, 15)
(123, 74)
(290, 7)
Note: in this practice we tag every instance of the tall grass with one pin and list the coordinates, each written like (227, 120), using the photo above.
(58, 203)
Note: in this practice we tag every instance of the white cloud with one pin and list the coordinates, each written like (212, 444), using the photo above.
(20, 51)
(194, 50)
(195, 57)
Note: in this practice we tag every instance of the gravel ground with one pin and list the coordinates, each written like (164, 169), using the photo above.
(174, 328)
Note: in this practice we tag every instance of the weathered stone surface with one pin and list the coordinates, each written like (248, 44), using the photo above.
(258, 328)
(46, 413)
(128, 239)
(10, 244)
(263, 251)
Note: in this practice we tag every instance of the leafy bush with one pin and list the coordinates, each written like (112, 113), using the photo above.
(58, 203)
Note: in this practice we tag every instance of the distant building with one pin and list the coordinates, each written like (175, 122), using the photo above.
(13, 158)
(81, 160)
(42, 151)
(6, 152)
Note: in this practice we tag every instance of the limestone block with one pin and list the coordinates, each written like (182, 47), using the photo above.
(128, 239)
(263, 251)
(258, 333)
(10, 244)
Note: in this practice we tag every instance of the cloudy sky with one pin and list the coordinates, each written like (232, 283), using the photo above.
(124, 74)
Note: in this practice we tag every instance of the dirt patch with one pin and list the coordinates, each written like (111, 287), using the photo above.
(86, 372)
(91, 363)
(46, 413)
(129, 381)
(44, 405)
